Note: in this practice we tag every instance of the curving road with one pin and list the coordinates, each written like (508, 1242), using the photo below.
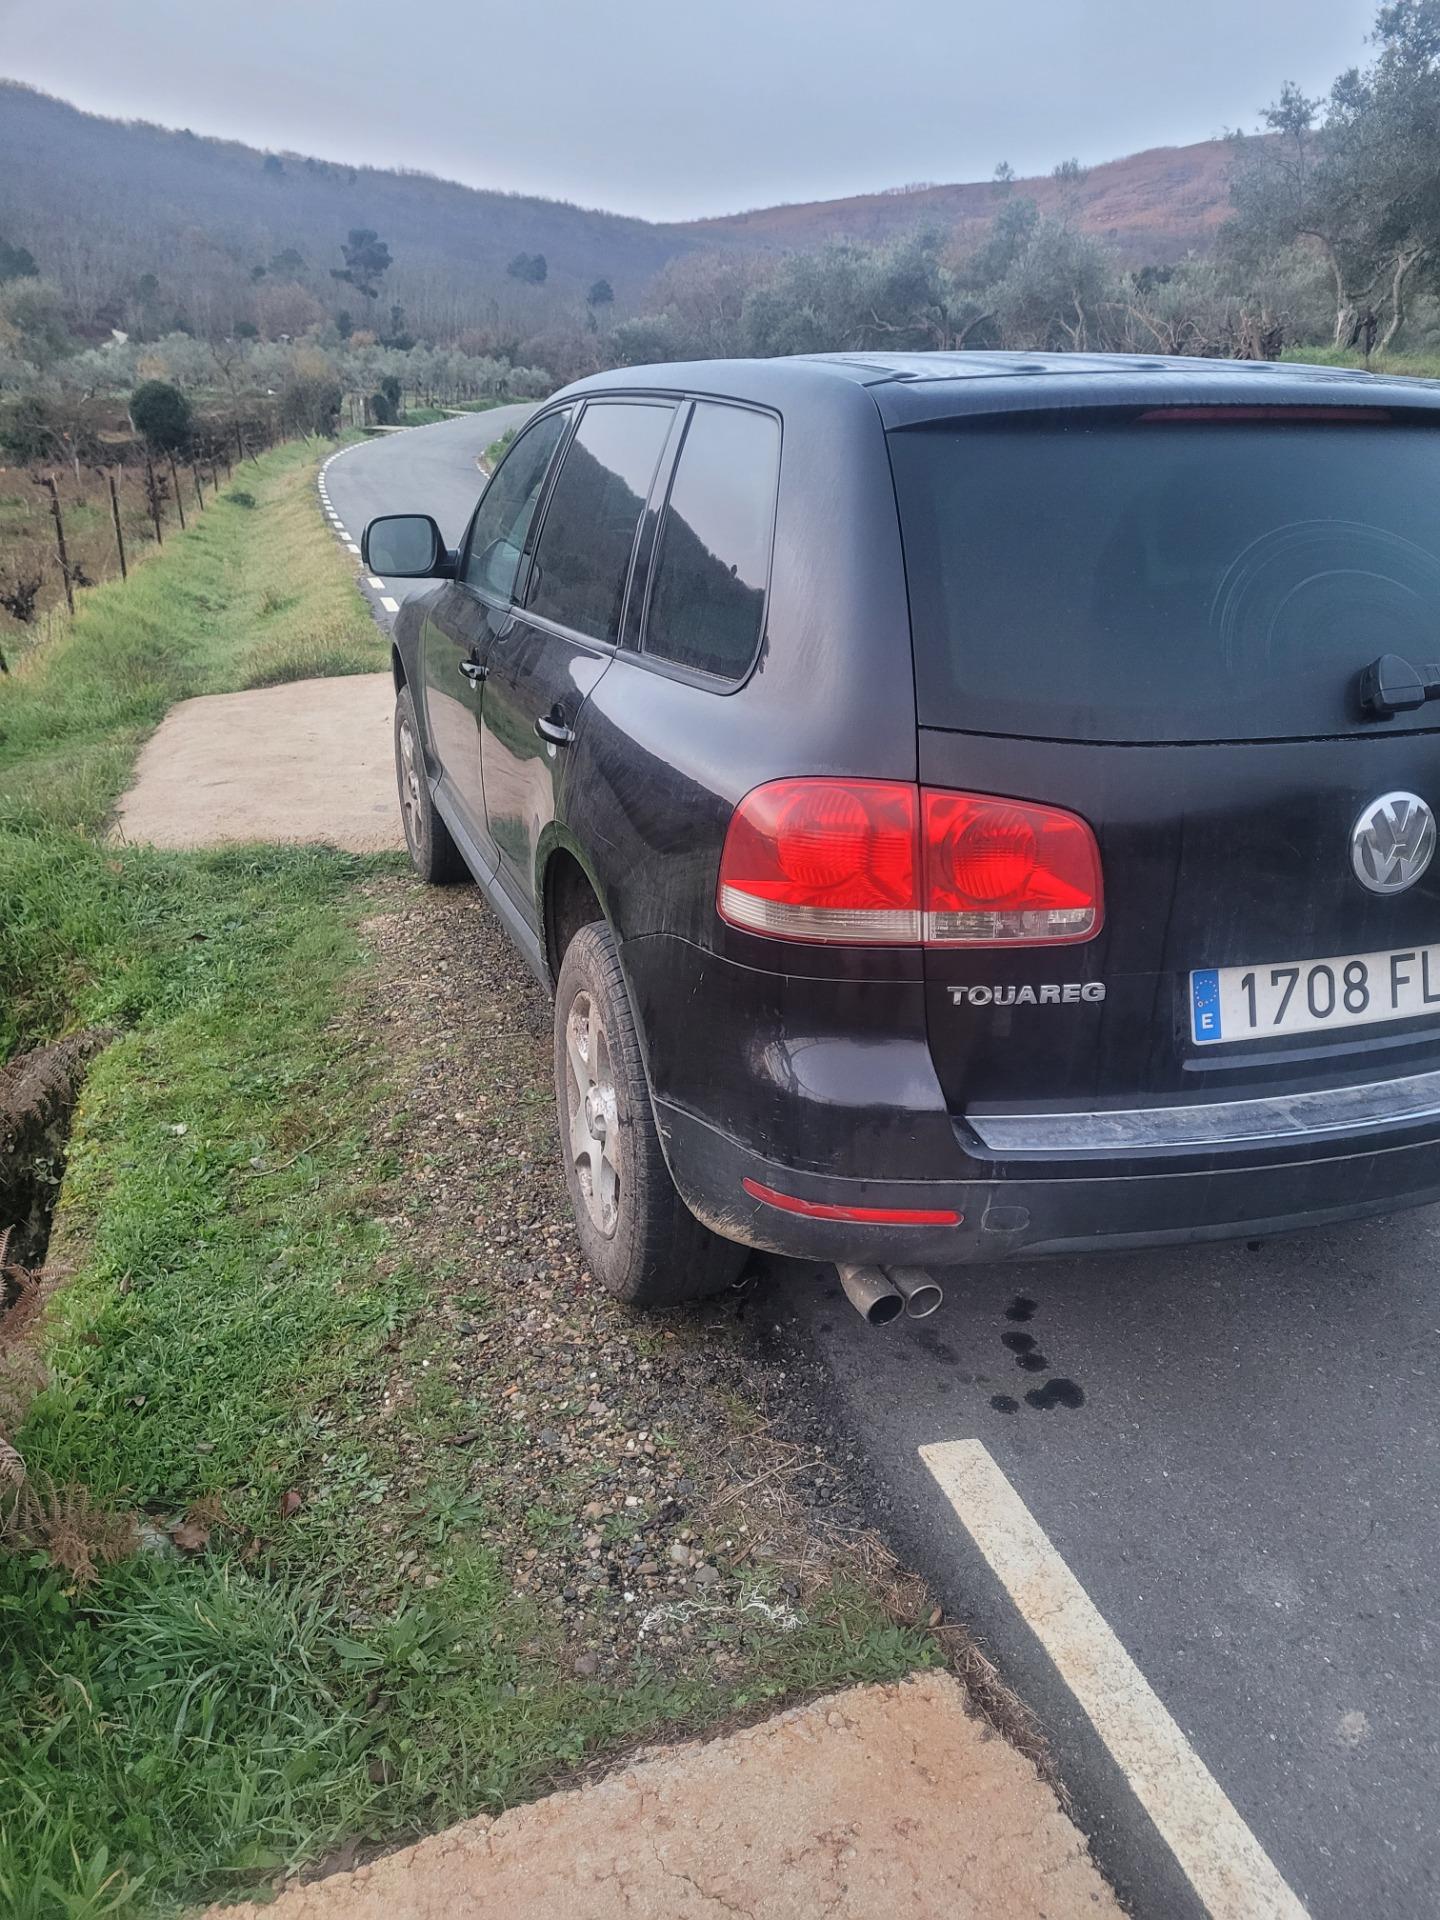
(1236, 1452)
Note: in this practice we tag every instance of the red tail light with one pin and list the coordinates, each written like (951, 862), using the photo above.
(998, 871)
(824, 860)
(881, 861)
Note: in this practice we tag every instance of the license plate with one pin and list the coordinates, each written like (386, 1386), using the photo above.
(1309, 996)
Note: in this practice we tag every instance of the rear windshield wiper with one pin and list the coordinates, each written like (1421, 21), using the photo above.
(1390, 685)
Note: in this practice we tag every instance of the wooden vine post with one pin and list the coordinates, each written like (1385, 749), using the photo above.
(47, 481)
(175, 483)
(152, 494)
(115, 516)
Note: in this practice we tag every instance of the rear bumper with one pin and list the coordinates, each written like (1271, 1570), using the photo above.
(824, 1089)
(1024, 1214)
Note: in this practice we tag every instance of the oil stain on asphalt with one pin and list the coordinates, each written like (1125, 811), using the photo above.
(1057, 1391)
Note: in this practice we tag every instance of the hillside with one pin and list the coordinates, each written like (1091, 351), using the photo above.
(102, 204)
(1152, 206)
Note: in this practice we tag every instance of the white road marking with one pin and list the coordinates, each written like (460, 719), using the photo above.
(376, 584)
(1224, 1862)
(352, 546)
(390, 606)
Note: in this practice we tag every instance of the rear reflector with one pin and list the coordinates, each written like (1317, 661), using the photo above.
(884, 862)
(865, 1216)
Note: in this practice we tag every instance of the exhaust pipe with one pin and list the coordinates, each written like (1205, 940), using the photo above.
(920, 1293)
(871, 1295)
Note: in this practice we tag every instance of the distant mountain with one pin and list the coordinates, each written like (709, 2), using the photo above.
(104, 204)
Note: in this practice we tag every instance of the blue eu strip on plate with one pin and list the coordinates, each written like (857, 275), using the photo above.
(1205, 1003)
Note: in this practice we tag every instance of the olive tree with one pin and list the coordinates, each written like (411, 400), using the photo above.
(1355, 177)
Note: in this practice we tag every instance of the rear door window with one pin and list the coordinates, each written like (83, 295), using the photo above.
(707, 600)
(1164, 578)
(507, 506)
(582, 559)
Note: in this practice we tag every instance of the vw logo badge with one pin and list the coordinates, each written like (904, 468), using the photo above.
(1392, 841)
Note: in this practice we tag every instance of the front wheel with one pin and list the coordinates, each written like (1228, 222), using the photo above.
(638, 1237)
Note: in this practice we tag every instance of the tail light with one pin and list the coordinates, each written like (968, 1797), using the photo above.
(998, 871)
(884, 862)
(824, 860)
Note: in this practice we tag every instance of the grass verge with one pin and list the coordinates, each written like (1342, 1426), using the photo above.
(1425, 366)
(496, 451)
(249, 595)
(326, 1631)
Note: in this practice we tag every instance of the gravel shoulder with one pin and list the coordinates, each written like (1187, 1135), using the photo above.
(679, 1540)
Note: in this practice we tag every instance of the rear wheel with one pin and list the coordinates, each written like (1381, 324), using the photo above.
(638, 1237)
(433, 854)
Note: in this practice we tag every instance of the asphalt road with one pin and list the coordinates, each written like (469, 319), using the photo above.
(421, 470)
(1235, 1450)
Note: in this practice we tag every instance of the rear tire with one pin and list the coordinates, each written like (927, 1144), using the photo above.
(433, 854)
(639, 1238)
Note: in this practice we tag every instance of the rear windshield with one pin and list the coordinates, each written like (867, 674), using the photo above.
(1166, 579)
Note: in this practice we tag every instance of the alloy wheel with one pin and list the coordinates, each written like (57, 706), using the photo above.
(410, 790)
(594, 1113)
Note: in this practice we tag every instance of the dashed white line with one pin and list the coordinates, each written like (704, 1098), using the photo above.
(1224, 1862)
(375, 584)
(390, 606)
(352, 546)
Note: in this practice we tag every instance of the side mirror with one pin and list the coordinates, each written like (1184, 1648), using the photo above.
(406, 546)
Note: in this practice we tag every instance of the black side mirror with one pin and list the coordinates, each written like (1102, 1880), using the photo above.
(406, 546)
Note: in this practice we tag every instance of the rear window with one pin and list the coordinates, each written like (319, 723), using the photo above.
(1163, 579)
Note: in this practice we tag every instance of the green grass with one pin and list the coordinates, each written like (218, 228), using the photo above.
(497, 450)
(1425, 366)
(485, 406)
(182, 1727)
(246, 597)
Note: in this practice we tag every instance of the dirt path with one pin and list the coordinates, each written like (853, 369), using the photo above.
(308, 761)
(876, 1801)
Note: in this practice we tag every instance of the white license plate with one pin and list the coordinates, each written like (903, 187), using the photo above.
(1308, 996)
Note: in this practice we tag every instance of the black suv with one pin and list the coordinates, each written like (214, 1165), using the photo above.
(966, 805)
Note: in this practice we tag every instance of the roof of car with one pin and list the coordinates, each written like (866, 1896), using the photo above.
(910, 387)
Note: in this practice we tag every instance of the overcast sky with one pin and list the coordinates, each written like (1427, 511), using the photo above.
(668, 109)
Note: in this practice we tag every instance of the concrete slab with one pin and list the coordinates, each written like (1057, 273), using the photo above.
(310, 761)
(873, 1803)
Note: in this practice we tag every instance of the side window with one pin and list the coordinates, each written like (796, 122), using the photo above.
(507, 506)
(707, 599)
(583, 556)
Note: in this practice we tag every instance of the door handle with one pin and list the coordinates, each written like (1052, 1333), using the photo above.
(473, 671)
(549, 728)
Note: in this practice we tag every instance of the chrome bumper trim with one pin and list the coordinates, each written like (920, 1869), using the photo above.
(1217, 1123)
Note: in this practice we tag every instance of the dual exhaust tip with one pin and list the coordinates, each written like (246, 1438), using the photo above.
(881, 1294)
